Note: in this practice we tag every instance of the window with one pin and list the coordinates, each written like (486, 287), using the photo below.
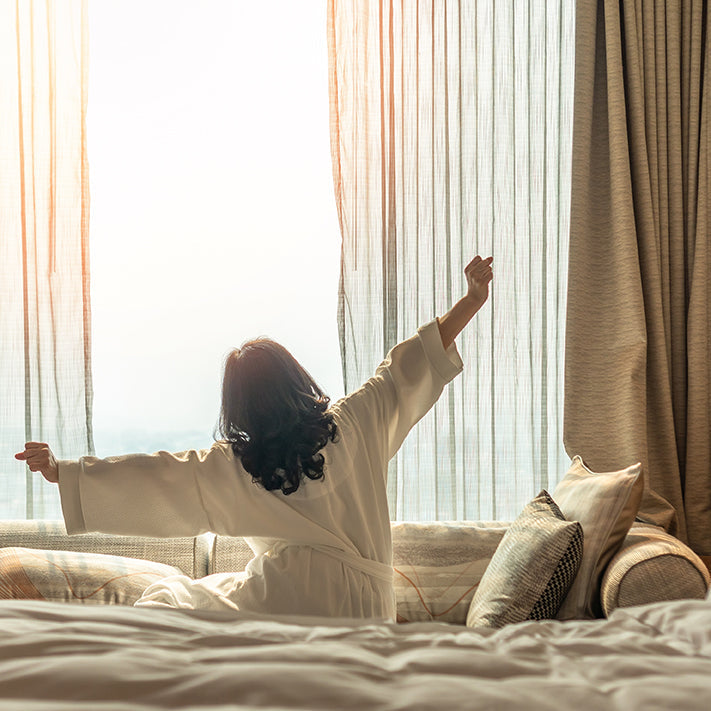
(212, 213)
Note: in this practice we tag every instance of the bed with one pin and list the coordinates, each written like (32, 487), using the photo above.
(104, 658)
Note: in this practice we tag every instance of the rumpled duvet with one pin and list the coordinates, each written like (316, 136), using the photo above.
(70, 657)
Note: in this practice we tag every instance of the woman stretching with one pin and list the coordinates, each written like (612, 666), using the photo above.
(303, 482)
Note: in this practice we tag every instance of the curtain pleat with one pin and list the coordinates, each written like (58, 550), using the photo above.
(637, 382)
(45, 364)
(451, 135)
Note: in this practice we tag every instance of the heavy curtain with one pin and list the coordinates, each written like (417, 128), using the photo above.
(451, 135)
(637, 374)
(45, 376)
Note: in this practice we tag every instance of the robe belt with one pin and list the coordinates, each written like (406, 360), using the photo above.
(374, 568)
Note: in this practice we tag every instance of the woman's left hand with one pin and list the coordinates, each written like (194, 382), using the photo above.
(39, 458)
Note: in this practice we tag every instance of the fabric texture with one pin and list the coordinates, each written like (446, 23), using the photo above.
(90, 657)
(229, 554)
(451, 135)
(188, 554)
(605, 504)
(62, 576)
(532, 569)
(325, 549)
(45, 343)
(652, 566)
(639, 297)
(438, 566)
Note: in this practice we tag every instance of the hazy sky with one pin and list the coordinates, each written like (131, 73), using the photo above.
(212, 211)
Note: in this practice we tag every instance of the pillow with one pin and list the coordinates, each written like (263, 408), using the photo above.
(531, 570)
(606, 505)
(94, 578)
(438, 566)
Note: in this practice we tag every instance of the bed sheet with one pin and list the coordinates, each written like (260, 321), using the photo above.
(61, 657)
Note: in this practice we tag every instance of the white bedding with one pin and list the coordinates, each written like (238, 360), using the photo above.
(61, 657)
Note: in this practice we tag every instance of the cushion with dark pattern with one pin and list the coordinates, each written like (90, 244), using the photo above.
(532, 569)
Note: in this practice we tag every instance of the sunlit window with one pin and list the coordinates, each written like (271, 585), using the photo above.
(212, 210)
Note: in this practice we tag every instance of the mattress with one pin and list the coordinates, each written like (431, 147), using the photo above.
(61, 657)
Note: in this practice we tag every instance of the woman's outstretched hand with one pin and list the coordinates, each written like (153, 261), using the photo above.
(478, 273)
(40, 459)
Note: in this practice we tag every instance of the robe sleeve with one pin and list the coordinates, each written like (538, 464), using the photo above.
(142, 494)
(404, 388)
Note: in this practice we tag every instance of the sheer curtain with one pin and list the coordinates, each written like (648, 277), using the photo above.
(45, 376)
(451, 136)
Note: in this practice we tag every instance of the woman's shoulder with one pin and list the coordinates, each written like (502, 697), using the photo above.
(367, 403)
(219, 452)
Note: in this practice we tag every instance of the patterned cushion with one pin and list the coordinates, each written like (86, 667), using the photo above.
(27, 573)
(531, 570)
(606, 505)
(438, 566)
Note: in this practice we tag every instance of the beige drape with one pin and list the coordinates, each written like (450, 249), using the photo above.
(637, 353)
(451, 130)
(45, 376)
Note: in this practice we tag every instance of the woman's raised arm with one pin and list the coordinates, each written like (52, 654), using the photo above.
(136, 494)
(411, 378)
(478, 273)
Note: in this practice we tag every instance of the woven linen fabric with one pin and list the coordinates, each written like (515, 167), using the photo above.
(438, 566)
(230, 554)
(652, 566)
(606, 505)
(531, 570)
(637, 385)
(64, 576)
(188, 554)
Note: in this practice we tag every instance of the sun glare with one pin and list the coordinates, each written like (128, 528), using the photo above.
(212, 210)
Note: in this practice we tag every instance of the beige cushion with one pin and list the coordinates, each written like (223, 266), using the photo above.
(652, 566)
(28, 573)
(606, 505)
(531, 570)
(438, 565)
(188, 554)
(229, 555)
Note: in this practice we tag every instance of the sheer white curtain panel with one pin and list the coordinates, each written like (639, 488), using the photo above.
(45, 365)
(451, 135)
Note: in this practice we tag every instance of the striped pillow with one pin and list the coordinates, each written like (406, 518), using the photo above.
(532, 569)
(63, 576)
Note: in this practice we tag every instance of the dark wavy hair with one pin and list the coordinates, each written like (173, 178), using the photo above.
(274, 415)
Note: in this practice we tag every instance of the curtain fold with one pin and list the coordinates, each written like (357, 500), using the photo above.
(451, 135)
(637, 361)
(45, 361)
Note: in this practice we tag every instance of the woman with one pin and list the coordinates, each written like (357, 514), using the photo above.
(305, 484)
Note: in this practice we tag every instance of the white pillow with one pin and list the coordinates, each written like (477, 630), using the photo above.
(606, 505)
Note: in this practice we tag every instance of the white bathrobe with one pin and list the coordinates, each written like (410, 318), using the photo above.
(323, 550)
